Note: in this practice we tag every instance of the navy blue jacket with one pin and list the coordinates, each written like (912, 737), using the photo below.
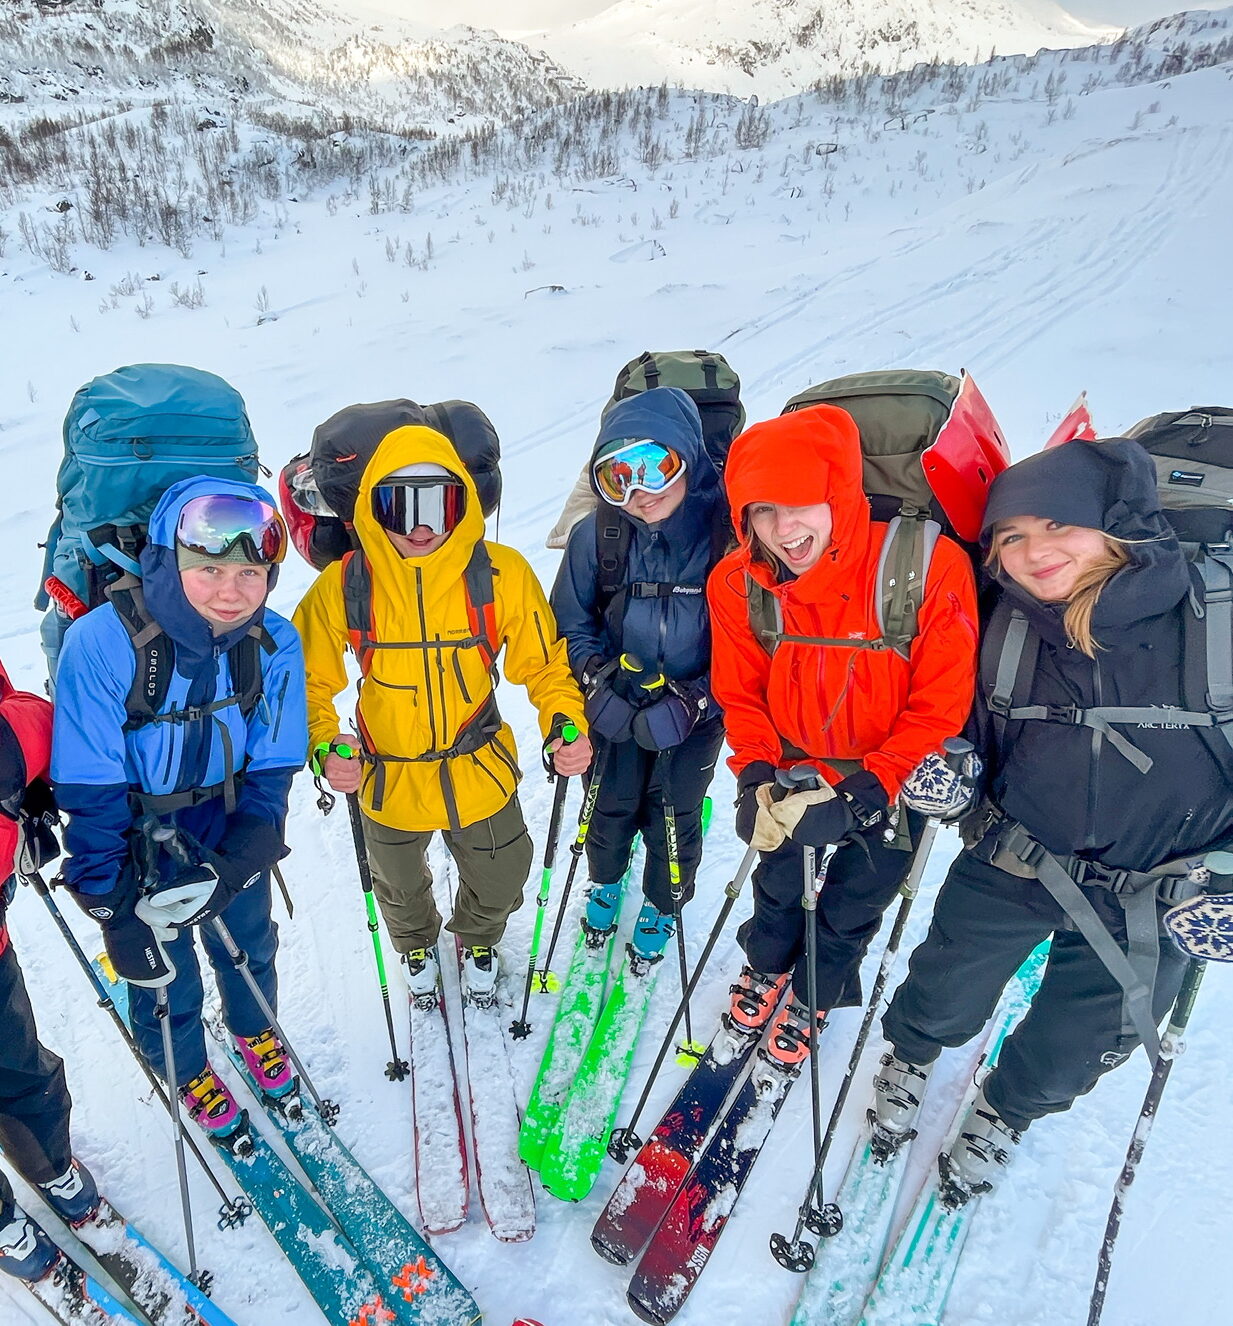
(671, 632)
(95, 762)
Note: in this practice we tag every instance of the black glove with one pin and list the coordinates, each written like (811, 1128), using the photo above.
(748, 781)
(249, 848)
(668, 721)
(135, 949)
(860, 802)
(608, 713)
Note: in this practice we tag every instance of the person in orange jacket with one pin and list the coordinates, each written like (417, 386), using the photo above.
(823, 688)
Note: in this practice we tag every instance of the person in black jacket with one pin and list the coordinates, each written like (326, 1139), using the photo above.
(1099, 806)
(642, 647)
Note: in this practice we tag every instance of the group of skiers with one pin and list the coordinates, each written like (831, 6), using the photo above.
(690, 606)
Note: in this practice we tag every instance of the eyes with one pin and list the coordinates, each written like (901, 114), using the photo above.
(760, 508)
(248, 575)
(1007, 538)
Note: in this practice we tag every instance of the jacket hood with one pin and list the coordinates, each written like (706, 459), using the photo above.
(160, 577)
(408, 446)
(800, 459)
(1107, 485)
(666, 415)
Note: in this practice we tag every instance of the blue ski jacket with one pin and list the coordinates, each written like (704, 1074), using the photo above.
(96, 763)
(671, 631)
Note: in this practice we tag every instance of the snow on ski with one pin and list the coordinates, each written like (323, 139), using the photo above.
(655, 1176)
(688, 1233)
(442, 1180)
(506, 1193)
(414, 1279)
(74, 1297)
(915, 1282)
(575, 1152)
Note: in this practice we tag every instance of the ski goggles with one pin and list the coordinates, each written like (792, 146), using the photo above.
(216, 524)
(404, 505)
(639, 464)
(307, 496)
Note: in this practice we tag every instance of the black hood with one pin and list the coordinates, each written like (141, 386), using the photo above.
(1107, 485)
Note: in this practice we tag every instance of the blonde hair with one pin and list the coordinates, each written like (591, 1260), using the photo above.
(1081, 603)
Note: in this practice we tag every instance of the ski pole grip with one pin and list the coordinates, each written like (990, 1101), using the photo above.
(800, 778)
(632, 664)
(954, 751)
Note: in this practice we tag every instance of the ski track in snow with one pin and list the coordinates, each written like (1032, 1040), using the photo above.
(1094, 256)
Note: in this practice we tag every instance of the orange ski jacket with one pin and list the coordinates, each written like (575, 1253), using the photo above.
(826, 701)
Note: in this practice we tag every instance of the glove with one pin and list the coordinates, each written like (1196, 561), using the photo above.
(200, 891)
(759, 774)
(935, 789)
(668, 721)
(608, 713)
(1202, 927)
(136, 952)
(831, 814)
(196, 894)
(250, 847)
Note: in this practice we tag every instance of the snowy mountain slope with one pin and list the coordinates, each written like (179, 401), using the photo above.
(1046, 239)
(777, 47)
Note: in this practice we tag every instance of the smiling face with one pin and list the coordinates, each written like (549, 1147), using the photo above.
(225, 593)
(797, 535)
(1047, 558)
(419, 543)
(654, 507)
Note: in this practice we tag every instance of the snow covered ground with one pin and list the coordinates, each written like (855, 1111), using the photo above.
(1046, 248)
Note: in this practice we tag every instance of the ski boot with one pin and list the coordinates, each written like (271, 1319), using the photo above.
(73, 1196)
(754, 997)
(480, 966)
(269, 1067)
(25, 1251)
(652, 931)
(211, 1105)
(787, 1042)
(599, 921)
(978, 1157)
(898, 1089)
(423, 975)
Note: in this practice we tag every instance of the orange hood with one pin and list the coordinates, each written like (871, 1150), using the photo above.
(799, 459)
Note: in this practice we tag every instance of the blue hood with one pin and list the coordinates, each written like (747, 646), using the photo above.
(666, 415)
(160, 577)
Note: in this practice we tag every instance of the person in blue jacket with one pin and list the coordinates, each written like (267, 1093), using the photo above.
(180, 723)
(630, 601)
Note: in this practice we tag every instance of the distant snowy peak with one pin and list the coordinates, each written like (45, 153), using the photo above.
(777, 47)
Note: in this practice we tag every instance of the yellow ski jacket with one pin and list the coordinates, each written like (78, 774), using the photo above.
(422, 692)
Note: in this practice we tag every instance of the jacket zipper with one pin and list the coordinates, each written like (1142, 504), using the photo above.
(282, 695)
(432, 715)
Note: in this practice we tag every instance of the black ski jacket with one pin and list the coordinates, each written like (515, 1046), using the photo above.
(1068, 785)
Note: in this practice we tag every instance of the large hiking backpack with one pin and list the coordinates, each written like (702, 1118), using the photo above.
(128, 436)
(318, 488)
(1193, 454)
(931, 448)
(705, 376)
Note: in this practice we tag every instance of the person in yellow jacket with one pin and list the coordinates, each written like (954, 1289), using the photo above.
(426, 604)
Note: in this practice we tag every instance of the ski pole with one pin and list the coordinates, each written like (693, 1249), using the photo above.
(825, 1218)
(625, 1140)
(234, 1210)
(690, 1051)
(327, 1109)
(1171, 1046)
(162, 1011)
(521, 1028)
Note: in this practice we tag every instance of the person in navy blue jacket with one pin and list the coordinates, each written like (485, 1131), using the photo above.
(630, 601)
(180, 723)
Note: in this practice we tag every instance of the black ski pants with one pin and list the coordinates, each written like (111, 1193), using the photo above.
(860, 882)
(34, 1100)
(634, 785)
(984, 924)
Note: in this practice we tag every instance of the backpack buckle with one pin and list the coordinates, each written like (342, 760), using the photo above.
(1064, 713)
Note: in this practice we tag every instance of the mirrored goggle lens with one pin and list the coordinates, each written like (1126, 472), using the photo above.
(643, 464)
(307, 495)
(216, 524)
(406, 506)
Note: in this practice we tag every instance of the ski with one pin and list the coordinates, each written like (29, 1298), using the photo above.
(73, 1296)
(328, 1265)
(689, 1231)
(916, 1278)
(442, 1179)
(506, 1194)
(162, 1292)
(578, 1011)
(411, 1275)
(574, 1154)
(655, 1176)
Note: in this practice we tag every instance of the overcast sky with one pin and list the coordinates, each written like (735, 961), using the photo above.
(510, 14)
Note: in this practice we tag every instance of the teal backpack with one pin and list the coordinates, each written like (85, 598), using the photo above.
(128, 436)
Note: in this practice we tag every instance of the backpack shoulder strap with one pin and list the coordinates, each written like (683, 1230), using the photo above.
(1008, 654)
(612, 539)
(1207, 648)
(154, 648)
(765, 615)
(481, 603)
(903, 569)
(357, 603)
(244, 662)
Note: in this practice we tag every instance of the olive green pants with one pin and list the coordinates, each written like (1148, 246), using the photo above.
(493, 857)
